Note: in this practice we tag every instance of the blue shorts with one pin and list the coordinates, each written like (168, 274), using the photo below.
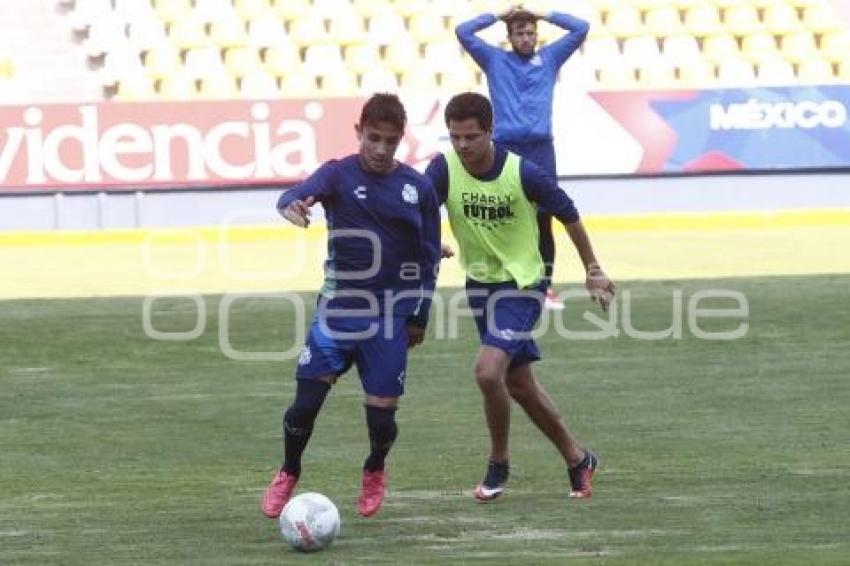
(541, 152)
(377, 345)
(512, 316)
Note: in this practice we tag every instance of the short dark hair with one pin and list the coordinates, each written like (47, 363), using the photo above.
(468, 105)
(384, 107)
(520, 17)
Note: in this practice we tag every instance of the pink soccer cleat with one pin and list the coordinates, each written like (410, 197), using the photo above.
(372, 492)
(278, 494)
(581, 475)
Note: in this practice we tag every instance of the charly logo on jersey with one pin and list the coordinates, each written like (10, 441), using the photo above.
(409, 194)
(360, 192)
(488, 211)
(305, 356)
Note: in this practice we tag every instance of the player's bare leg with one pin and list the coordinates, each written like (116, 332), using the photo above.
(543, 412)
(490, 368)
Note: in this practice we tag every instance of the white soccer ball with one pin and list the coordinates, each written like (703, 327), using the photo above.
(309, 522)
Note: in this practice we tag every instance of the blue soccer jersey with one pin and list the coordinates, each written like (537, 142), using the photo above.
(383, 236)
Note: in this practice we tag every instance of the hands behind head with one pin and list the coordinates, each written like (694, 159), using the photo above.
(518, 8)
(600, 287)
(298, 212)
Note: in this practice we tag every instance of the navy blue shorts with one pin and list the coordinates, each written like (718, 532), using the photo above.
(375, 344)
(506, 316)
(541, 152)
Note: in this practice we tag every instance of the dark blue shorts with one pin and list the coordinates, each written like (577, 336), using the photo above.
(375, 344)
(506, 316)
(541, 152)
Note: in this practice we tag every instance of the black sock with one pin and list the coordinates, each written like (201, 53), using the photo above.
(298, 422)
(382, 433)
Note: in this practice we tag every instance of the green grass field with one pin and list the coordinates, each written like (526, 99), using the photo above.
(118, 449)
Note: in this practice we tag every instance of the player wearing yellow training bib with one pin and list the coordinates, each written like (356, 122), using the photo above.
(492, 197)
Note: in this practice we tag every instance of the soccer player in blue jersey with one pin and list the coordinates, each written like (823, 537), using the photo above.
(492, 196)
(383, 250)
(521, 84)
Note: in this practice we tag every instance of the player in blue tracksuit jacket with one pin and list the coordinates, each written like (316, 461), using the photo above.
(383, 250)
(521, 84)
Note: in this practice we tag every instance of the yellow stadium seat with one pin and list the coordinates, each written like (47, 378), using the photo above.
(229, 32)
(219, 87)
(361, 57)
(835, 46)
(781, 19)
(214, 10)
(241, 61)
(775, 72)
(135, 88)
(657, 74)
(134, 10)
(764, 4)
(703, 19)
(378, 79)
(119, 64)
(188, 32)
(617, 76)
(625, 22)
(598, 51)
(401, 56)
(105, 34)
(259, 85)
(332, 8)
(440, 54)
(843, 75)
(324, 59)
(735, 72)
(815, 72)
(266, 31)
(686, 4)
(203, 62)
(450, 8)
(640, 50)
(339, 84)
(250, 9)
(387, 28)
(457, 78)
(291, 9)
(680, 49)
(146, 34)
(369, 8)
(179, 86)
(664, 21)
(428, 27)
(821, 19)
(298, 84)
(308, 31)
(719, 47)
(742, 20)
(699, 73)
(418, 80)
(172, 10)
(799, 46)
(726, 4)
(347, 29)
(759, 46)
(281, 60)
(163, 61)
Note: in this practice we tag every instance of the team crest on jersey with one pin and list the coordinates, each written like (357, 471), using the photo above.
(305, 356)
(409, 194)
(536, 61)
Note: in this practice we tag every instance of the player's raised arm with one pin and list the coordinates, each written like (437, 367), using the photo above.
(566, 45)
(294, 204)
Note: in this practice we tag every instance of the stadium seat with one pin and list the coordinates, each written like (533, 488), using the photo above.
(720, 47)
(625, 22)
(703, 19)
(135, 88)
(338, 84)
(759, 46)
(781, 19)
(297, 84)
(369, 8)
(324, 59)
(146, 34)
(290, 9)
(417, 80)
(835, 46)
(657, 73)
(663, 21)
(172, 10)
(599, 51)
(135, 11)
(163, 61)
(121, 64)
(428, 27)
(250, 9)
(214, 10)
(259, 85)
(438, 55)
(105, 33)
(228, 32)
(799, 46)
(457, 77)
(735, 72)
(266, 31)
(742, 20)
(378, 80)
(333, 9)
(815, 72)
(201, 62)
(449, 8)
(699, 73)
(188, 32)
(179, 86)
(401, 55)
(617, 74)
(86, 12)
(283, 59)
(577, 72)
(775, 72)
(843, 75)
(359, 58)
(681, 49)
(347, 29)
(309, 31)
(639, 50)
(821, 19)
(218, 87)
(241, 61)
(387, 28)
